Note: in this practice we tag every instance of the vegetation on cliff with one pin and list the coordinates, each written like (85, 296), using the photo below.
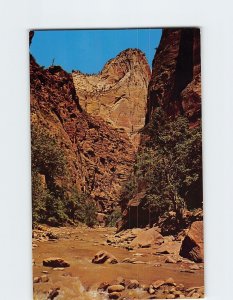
(168, 165)
(51, 203)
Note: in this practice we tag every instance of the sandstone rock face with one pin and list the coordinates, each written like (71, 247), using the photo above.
(192, 246)
(98, 157)
(118, 94)
(175, 83)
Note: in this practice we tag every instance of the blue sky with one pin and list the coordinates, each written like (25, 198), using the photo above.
(89, 50)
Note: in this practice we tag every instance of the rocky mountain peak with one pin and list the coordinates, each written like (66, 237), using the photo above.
(118, 94)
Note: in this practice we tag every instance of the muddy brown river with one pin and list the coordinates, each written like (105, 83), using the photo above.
(78, 246)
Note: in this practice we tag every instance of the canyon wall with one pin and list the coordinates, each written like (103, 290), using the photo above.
(98, 157)
(175, 84)
(175, 90)
(118, 94)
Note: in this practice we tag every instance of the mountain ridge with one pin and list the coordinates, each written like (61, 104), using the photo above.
(118, 94)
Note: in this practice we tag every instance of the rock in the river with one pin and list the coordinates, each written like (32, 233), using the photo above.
(55, 262)
(36, 279)
(43, 278)
(114, 295)
(53, 294)
(194, 267)
(192, 245)
(103, 286)
(116, 288)
(102, 257)
(133, 284)
(170, 281)
(170, 260)
(147, 238)
(158, 283)
(128, 260)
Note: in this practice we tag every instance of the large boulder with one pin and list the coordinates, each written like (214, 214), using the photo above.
(192, 246)
(102, 257)
(147, 238)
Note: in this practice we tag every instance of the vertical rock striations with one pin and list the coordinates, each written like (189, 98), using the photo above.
(118, 94)
(175, 84)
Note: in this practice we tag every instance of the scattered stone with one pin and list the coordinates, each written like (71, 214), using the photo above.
(138, 262)
(145, 287)
(102, 257)
(201, 290)
(158, 283)
(55, 263)
(133, 284)
(138, 254)
(120, 280)
(45, 272)
(52, 236)
(114, 295)
(170, 296)
(187, 271)
(180, 287)
(58, 269)
(194, 267)
(53, 294)
(115, 288)
(191, 289)
(196, 295)
(103, 286)
(170, 281)
(151, 290)
(170, 260)
(157, 265)
(36, 279)
(147, 239)
(128, 260)
(177, 293)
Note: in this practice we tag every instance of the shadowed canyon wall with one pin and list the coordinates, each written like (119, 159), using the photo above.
(174, 89)
(175, 84)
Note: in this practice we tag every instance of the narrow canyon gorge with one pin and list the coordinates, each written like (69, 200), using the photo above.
(117, 176)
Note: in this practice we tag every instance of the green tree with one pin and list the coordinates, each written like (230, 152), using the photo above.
(168, 164)
(177, 160)
(48, 161)
(47, 155)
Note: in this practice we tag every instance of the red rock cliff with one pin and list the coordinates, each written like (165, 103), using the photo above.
(175, 83)
(99, 158)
